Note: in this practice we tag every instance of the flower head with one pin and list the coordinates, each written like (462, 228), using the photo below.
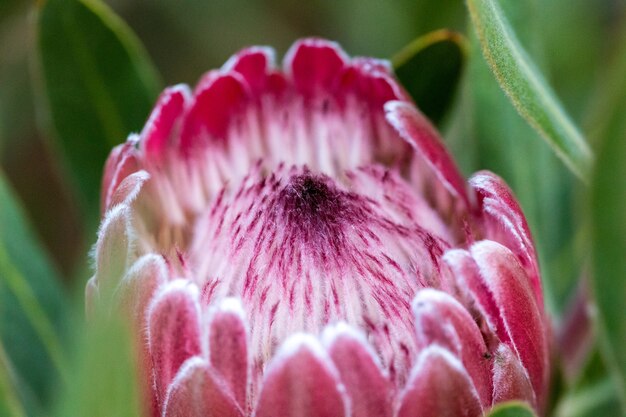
(299, 242)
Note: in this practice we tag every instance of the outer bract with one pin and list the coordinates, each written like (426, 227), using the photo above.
(298, 242)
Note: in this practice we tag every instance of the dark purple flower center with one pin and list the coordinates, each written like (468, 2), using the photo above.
(317, 212)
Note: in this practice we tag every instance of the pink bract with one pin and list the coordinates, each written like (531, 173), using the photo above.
(298, 242)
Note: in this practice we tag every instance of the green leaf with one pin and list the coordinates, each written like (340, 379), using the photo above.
(103, 381)
(99, 84)
(608, 107)
(526, 88)
(11, 405)
(598, 399)
(32, 304)
(430, 68)
(488, 133)
(512, 409)
(608, 217)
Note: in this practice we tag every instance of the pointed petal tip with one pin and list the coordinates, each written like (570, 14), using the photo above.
(315, 65)
(335, 333)
(523, 327)
(129, 189)
(113, 247)
(417, 130)
(302, 380)
(197, 392)
(439, 385)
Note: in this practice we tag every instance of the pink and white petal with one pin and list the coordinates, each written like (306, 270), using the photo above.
(439, 386)
(302, 381)
(228, 347)
(373, 65)
(198, 392)
(370, 391)
(159, 129)
(373, 82)
(140, 284)
(315, 65)
(442, 320)
(414, 128)
(133, 297)
(467, 276)
(113, 249)
(277, 84)
(505, 223)
(216, 100)
(254, 65)
(173, 331)
(128, 190)
(121, 162)
(510, 380)
(507, 282)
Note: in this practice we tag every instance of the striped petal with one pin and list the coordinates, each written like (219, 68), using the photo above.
(506, 281)
(505, 223)
(413, 127)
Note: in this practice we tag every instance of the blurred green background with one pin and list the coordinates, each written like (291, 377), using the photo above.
(578, 45)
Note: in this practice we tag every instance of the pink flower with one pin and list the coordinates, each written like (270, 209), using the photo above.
(298, 242)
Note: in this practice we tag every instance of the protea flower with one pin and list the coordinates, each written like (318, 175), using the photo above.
(298, 242)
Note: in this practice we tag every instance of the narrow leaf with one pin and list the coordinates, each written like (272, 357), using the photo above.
(608, 216)
(598, 399)
(32, 305)
(11, 405)
(526, 88)
(99, 84)
(512, 409)
(430, 68)
(103, 380)
(488, 133)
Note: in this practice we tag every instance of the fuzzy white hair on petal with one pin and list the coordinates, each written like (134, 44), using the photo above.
(177, 285)
(342, 329)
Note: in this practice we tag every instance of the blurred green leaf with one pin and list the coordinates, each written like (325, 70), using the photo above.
(11, 405)
(99, 84)
(430, 68)
(599, 399)
(526, 88)
(607, 109)
(32, 304)
(103, 381)
(608, 217)
(512, 409)
(488, 133)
